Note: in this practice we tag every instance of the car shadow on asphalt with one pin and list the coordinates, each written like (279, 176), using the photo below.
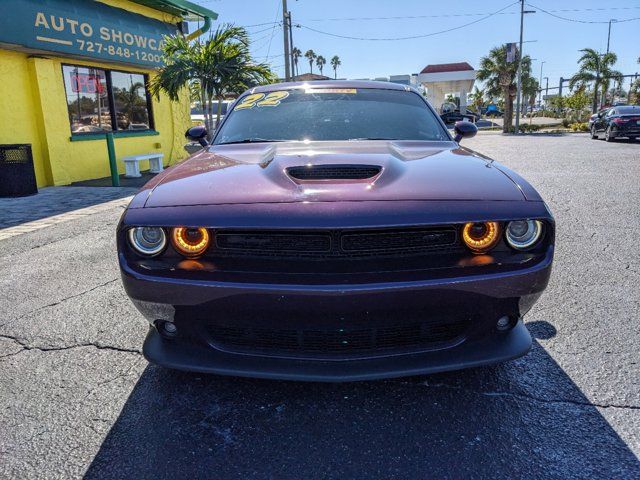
(525, 418)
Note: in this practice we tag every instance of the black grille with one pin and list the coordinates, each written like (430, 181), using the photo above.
(338, 341)
(398, 240)
(334, 172)
(336, 243)
(274, 242)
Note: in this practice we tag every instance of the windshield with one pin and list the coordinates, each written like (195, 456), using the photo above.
(330, 114)
(631, 109)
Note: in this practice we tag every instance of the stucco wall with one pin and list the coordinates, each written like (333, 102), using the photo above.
(33, 110)
(18, 123)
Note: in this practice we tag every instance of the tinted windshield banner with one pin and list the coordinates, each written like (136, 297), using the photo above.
(84, 28)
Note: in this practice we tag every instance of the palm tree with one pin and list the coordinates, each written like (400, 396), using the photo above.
(500, 78)
(311, 56)
(529, 91)
(634, 91)
(131, 102)
(598, 69)
(321, 62)
(451, 98)
(477, 99)
(335, 63)
(296, 53)
(221, 65)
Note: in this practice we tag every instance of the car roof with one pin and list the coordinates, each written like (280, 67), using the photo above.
(331, 84)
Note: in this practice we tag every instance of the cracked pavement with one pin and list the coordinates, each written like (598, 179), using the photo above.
(78, 399)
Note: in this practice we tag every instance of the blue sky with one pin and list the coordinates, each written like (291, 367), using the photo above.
(556, 41)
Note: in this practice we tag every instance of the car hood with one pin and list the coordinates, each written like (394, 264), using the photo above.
(260, 173)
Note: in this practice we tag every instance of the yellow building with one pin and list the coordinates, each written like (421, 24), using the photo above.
(72, 70)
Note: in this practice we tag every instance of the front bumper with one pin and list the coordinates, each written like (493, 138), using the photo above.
(183, 356)
(192, 303)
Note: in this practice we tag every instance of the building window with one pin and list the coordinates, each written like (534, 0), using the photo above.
(101, 100)
(130, 100)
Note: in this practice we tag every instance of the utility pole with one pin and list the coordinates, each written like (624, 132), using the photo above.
(522, 12)
(546, 89)
(287, 71)
(293, 63)
(540, 83)
(562, 80)
(609, 34)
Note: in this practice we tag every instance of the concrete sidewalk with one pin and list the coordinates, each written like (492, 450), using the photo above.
(56, 204)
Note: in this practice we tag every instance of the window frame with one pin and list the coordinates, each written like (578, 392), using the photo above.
(112, 105)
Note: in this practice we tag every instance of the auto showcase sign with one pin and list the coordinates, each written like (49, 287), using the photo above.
(84, 28)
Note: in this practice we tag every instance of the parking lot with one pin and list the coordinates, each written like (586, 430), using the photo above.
(77, 398)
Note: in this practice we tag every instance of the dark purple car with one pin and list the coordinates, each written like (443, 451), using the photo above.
(335, 231)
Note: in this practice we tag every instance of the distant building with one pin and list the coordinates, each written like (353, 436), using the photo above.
(309, 77)
(407, 79)
(443, 79)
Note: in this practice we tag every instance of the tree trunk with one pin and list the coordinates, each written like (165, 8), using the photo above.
(507, 118)
(219, 111)
(210, 128)
(595, 96)
(203, 105)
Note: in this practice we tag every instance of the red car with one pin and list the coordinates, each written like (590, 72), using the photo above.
(335, 231)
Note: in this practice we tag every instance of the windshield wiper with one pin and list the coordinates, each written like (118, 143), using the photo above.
(251, 140)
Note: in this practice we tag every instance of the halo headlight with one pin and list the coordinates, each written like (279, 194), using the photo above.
(523, 234)
(481, 237)
(190, 241)
(148, 241)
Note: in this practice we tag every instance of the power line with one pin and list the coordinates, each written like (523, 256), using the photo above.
(264, 29)
(258, 24)
(412, 37)
(453, 15)
(270, 56)
(579, 21)
(258, 44)
(273, 29)
(403, 17)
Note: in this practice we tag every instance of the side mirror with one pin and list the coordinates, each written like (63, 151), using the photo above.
(464, 130)
(198, 134)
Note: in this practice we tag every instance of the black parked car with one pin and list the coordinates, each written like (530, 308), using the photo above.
(615, 122)
(455, 116)
(593, 117)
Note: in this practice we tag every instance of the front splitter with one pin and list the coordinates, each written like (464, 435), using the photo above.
(494, 348)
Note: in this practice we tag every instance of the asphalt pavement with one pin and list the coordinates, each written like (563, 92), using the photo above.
(78, 399)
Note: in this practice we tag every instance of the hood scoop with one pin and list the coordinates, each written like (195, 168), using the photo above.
(333, 172)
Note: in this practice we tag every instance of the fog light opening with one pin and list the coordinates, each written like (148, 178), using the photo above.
(504, 323)
(166, 329)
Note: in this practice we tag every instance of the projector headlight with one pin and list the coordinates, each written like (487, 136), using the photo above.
(148, 241)
(481, 237)
(190, 241)
(523, 234)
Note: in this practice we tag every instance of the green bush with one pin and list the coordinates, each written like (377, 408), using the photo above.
(579, 127)
(525, 127)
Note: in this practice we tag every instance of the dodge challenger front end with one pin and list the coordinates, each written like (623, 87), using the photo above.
(335, 231)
